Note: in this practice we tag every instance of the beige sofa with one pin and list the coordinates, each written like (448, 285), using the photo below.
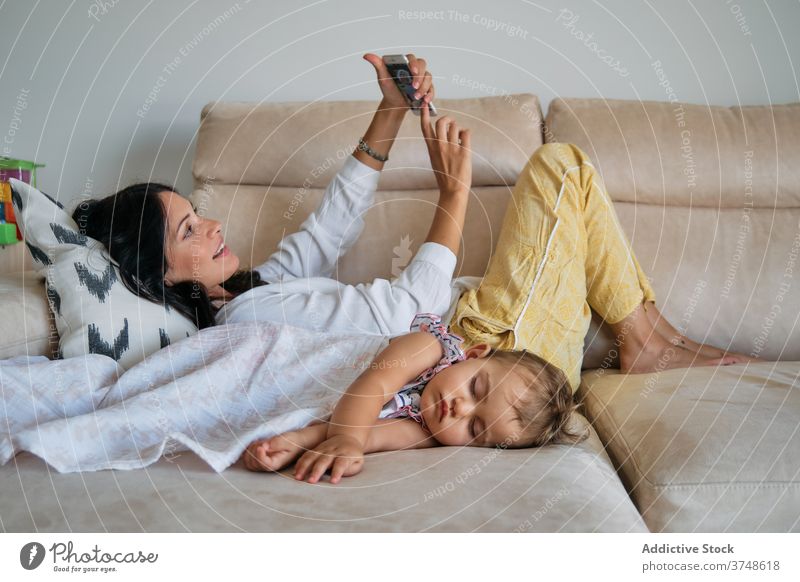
(710, 198)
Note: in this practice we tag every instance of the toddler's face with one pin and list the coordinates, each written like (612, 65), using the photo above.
(470, 402)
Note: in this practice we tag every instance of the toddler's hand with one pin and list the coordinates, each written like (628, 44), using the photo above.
(343, 454)
(273, 454)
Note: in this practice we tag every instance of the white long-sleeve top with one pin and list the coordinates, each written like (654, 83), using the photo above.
(301, 291)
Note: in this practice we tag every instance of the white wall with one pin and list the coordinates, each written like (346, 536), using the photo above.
(76, 75)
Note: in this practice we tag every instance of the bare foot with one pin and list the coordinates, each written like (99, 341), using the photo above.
(673, 336)
(273, 454)
(659, 354)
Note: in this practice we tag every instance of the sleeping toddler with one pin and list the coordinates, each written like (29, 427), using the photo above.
(422, 391)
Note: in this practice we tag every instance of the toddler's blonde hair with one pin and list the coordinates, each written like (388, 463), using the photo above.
(547, 408)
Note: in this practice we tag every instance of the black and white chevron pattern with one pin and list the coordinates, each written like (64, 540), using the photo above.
(67, 235)
(38, 254)
(16, 200)
(53, 297)
(99, 286)
(97, 345)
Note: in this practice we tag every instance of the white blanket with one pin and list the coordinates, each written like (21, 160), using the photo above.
(212, 393)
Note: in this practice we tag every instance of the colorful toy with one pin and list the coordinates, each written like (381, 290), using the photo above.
(23, 170)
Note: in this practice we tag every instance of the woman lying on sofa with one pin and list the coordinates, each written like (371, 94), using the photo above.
(191, 270)
(536, 294)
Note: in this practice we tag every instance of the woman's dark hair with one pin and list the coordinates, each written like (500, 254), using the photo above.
(132, 226)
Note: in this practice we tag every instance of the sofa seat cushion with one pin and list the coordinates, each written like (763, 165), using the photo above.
(28, 326)
(559, 488)
(704, 449)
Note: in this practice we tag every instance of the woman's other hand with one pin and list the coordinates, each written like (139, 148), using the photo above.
(450, 153)
(423, 81)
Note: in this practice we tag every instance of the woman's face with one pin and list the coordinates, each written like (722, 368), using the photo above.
(193, 244)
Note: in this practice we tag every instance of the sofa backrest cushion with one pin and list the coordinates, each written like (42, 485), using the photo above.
(710, 199)
(261, 168)
(292, 144)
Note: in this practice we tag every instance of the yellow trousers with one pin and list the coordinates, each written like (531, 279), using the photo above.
(560, 254)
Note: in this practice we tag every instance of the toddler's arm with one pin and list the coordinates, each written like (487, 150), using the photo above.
(346, 459)
(402, 361)
(387, 434)
(354, 416)
(397, 434)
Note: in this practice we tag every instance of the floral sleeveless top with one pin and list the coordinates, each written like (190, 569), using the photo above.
(405, 403)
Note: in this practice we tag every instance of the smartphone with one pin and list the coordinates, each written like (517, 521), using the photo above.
(398, 68)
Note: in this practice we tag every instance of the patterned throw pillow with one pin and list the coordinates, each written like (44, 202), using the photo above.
(95, 313)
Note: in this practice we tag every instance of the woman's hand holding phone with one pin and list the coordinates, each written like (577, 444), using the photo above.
(392, 97)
